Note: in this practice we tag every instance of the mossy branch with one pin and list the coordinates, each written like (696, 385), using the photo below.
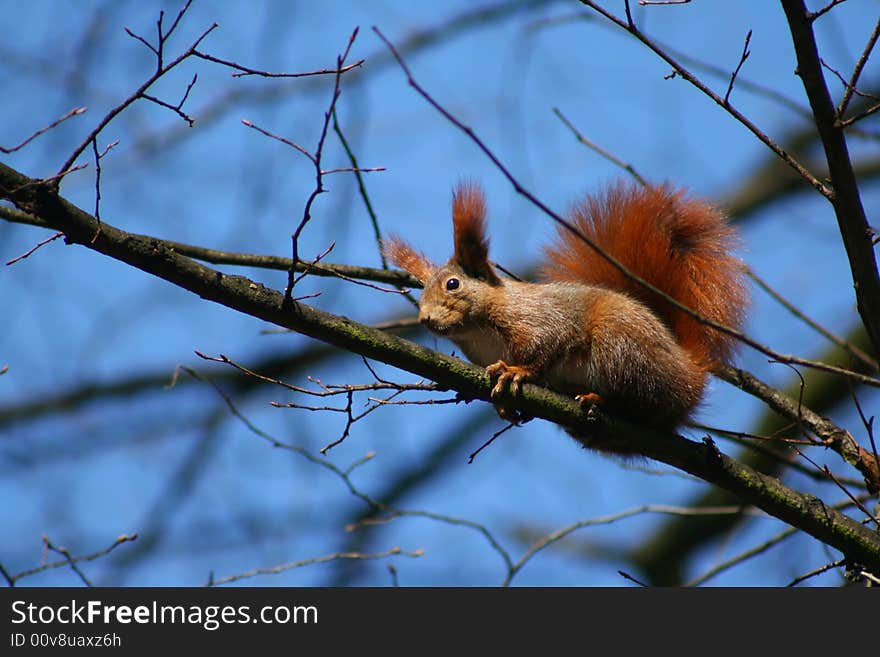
(154, 256)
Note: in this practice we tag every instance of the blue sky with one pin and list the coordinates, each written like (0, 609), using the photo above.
(74, 317)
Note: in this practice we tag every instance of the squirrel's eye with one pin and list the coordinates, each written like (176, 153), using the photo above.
(452, 284)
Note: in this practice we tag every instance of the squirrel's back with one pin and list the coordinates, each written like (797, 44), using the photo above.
(681, 245)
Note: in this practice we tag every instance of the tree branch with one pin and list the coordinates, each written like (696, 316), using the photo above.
(806, 512)
(845, 198)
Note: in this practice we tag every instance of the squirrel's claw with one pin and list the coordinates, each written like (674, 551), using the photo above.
(507, 377)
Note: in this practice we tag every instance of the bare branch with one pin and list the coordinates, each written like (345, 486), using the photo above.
(742, 60)
(846, 200)
(845, 123)
(630, 27)
(344, 271)
(551, 538)
(177, 108)
(817, 571)
(743, 556)
(30, 251)
(811, 16)
(245, 71)
(601, 151)
(68, 559)
(840, 440)
(139, 93)
(850, 348)
(76, 111)
(824, 469)
(98, 157)
(491, 440)
(846, 85)
(142, 40)
(239, 293)
(271, 135)
(319, 174)
(857, 71)
(362, 189)
(274, 570)
(372, 503)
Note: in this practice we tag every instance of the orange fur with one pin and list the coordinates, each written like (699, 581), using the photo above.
(469, 226)
(680, 245)
(407, 258)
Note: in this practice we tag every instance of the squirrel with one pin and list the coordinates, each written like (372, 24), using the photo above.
(587, 329)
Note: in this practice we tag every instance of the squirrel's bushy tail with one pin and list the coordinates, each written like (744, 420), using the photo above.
(679, 244)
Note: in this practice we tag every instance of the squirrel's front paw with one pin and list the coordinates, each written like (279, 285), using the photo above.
(508, 377)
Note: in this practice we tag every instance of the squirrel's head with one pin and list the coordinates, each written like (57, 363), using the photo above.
(456, 295)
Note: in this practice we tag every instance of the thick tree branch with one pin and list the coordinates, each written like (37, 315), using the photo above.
(806, 512)
(840, 440)
(845, 198)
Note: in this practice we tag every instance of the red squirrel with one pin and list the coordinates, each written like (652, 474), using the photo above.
(588, 329)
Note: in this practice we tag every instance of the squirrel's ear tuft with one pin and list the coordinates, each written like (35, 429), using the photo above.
(408, 259)
(469, 224)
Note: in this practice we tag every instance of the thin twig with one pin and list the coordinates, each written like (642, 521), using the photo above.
(817, 571)
(749, 440)
(74, 112)
(743, 556)
(845, 84)
(98, 156)
(601, 151)
(177, 108)
(491, 440)
(292, 144)
(840, 342)
(742, 60)
(373, 504)
(758, 549)
(161, 69)
(869, 429)
(274, 570)
(840, 485)
(857, 71)
(319, 174)
(811, 16)
(362, 189)
(326, 390)
(245, 71)
(64, 552)
(681, 71)
(553, 537)
(623, 573)
(30, 251)
(124, 538)
(845, 123)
